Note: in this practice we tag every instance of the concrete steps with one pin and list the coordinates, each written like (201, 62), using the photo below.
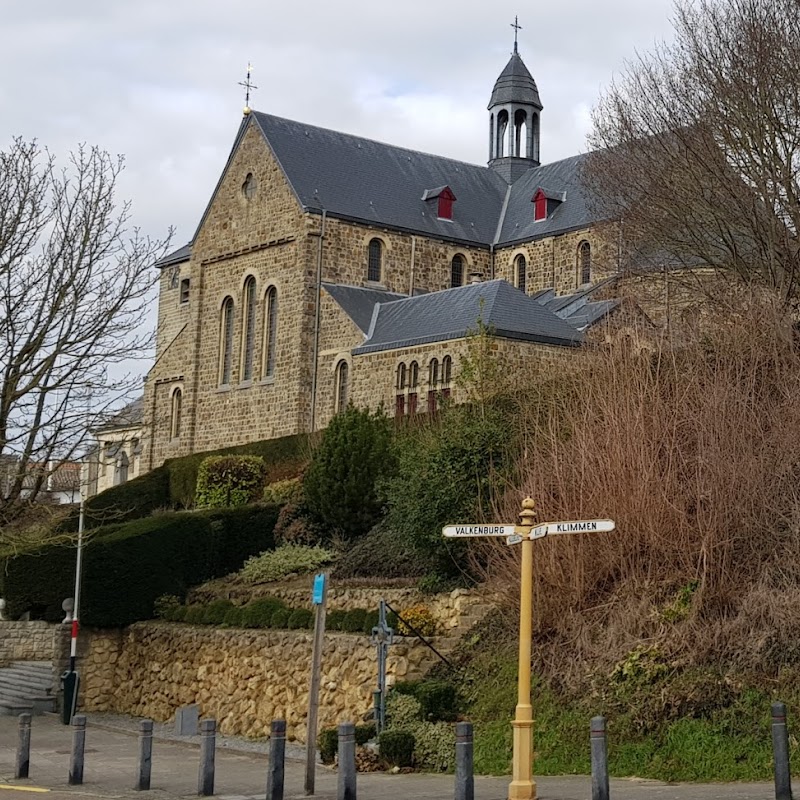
(26, 687)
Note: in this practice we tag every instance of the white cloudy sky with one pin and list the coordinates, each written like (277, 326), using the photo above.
(156, 80)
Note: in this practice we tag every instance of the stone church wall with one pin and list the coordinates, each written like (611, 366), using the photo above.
(243, 678)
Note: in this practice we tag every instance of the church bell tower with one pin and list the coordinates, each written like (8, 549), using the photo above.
(514, 110)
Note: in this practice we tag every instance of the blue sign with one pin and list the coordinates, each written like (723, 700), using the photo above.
(318, 593)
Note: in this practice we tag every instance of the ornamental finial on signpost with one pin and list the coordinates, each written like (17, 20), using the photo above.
(528, 514)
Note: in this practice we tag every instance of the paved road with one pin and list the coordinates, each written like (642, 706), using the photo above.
(111, 762)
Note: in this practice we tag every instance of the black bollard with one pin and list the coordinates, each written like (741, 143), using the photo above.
(145, 755)
(277, 753)
(24, 748)
(465, 779)
(205, 777)
(597, 737)
(347, 762)
(780, 750)
(78, 747)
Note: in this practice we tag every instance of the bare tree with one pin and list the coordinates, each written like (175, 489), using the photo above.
(75, 283)
(697, 145)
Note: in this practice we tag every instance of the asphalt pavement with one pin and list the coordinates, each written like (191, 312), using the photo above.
(111, 755)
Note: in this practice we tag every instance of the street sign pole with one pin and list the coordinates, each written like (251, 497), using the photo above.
(522, 786)
(319, 596)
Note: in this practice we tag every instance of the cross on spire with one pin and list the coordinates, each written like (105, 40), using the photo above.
(248, 85)
(517, 28)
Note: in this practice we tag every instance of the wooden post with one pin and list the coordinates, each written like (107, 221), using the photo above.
(319, 598)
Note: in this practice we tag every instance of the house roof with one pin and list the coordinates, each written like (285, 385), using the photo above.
(381, 184)
(454, 313)
(129, 416)
(176, 256)
(359, 303)
(578, 309)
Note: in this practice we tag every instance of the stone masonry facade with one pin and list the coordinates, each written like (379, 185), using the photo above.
(255, 228)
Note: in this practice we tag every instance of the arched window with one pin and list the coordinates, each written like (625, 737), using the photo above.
(249, 186)
(270, 331)
(374, 265)
(401, 376)
(502, 127)
(447, 369)
(226, 342)
(249, 329)
(457, 271)
(121, 468)
(413, 381)
(175, 418)
(342, 386)
(521, 272)
(433, 373)
(585, 262)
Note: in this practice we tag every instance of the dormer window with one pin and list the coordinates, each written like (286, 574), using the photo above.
(444, 198)
(545, 202)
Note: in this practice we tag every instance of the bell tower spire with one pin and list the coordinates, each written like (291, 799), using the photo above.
(514, 112)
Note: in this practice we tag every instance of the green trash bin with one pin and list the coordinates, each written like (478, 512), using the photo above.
(70, 681)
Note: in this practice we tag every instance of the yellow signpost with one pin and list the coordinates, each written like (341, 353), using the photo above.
(523, 786)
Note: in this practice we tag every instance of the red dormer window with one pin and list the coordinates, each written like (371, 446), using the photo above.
(539, 206)
(444, 198)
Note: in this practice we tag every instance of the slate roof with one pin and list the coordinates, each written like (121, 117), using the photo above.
(577, 309)
(127, 417)
(453, 313)
(176, 256)
(359, 303)
(381, 184)
(515, 85)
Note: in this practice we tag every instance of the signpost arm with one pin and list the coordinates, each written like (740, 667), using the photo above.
(522, 786)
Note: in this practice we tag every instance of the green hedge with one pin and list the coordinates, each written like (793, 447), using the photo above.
(127, 567)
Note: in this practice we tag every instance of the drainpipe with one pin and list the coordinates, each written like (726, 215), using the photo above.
(491, 261)
(413, 265)
(317, 312)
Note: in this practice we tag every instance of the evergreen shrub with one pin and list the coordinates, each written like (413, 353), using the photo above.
(229, 481)
(364, 733)
(438, 701)
(283, 561)
(280, 619)
(195, 615)
(178, 614)
(334, 619)
(354, 620)
(233, 617)
(300, 618)
(371, 619)
(328, 744)
(164, 606)
(259, 613)
(215, 612)
(381, 553)
(396, 748)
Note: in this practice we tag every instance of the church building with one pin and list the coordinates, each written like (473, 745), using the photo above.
(329, 269)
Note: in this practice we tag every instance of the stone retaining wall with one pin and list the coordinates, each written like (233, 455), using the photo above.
(26, 641)
(243, 678)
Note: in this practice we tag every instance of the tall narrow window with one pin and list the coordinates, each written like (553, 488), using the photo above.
(185, 290)
(342, 386)
(374, 266)
(585, 262)
(175, 420)
(433, 380)
(249, 330)
(521, 270)
(121, 468)
(457, 271)
(400, 405)
(226, 342)
(270, 331)
(413, 381)
(401, 377)
(447, 375)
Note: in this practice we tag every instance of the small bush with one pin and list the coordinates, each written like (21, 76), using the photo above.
(421, 618)
(409, 688)
(328, 744)
(195, 615)
(258, 613)
(164, 606)
(403, 712)
(334, 619)
(364, 733)
(178, 614)
(280, 619)
(281, 492)
(285, 560)
(233, 617)
(381, 553)
(371, 619)
(396, 748)
(438, 700)
(300, 618)
(435, 746)
(226, 481)
(216, 611)
(354, 620)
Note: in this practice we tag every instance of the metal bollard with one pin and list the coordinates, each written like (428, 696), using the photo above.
(277, 753)
(23, 765)
(205, 778)
(78, 747)
(145, 755)
(347, 762)
(780, 750)
(597, 737)
(465, 779)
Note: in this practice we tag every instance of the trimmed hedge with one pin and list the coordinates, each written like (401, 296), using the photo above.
(396, 748)
(127, 567)
(226, 481)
